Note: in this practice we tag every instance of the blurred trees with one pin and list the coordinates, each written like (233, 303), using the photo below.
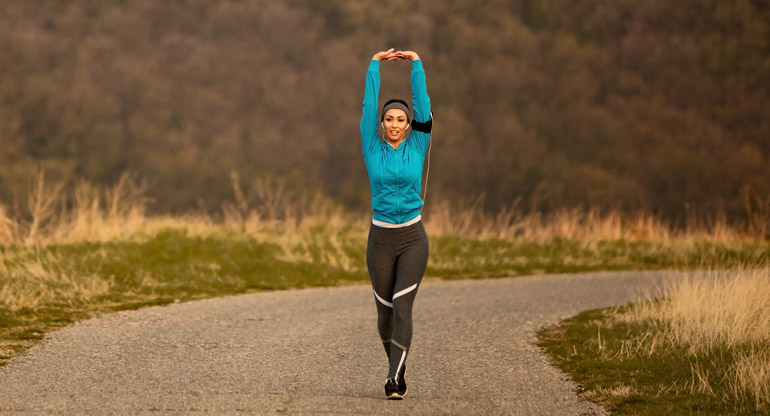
(626, 104)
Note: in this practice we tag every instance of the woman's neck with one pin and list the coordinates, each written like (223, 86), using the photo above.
(395, 144)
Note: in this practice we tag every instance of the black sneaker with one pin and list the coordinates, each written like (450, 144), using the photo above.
(391, 390)
(402, 382)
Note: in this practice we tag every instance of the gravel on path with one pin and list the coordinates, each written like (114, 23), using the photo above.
(316, 351)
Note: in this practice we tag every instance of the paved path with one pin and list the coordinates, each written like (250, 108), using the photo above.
(316, 351)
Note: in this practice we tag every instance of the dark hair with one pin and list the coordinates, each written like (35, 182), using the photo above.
(394, 100)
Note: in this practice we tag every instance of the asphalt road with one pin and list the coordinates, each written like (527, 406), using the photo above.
(316, 351)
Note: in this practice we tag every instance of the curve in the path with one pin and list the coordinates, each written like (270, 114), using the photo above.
(317, 351)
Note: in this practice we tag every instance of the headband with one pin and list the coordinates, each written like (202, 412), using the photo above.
(398, 105)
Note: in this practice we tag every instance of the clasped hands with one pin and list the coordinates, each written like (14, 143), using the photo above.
(390, 55)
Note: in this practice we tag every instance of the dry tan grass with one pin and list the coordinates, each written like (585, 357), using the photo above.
(751, 379)
(118, 213)
(7, 231)
(711, 310)
(89, 214)
(35, 279)
(708, 309)
(445, 218)
(602, 394)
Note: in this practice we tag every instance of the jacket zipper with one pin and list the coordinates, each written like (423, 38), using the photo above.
(398, 191)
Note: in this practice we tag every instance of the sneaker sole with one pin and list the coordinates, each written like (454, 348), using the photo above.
(395, 396)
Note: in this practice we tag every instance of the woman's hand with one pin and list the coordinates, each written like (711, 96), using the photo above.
(389, 55)
(379, 56)
(412, 56)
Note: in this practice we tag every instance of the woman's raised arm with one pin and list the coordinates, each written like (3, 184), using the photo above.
(371, 95)
(420, 100)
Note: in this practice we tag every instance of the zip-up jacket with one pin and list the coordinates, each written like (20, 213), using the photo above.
(395, 175)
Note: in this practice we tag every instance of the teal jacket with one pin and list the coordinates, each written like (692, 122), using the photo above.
(395, 175)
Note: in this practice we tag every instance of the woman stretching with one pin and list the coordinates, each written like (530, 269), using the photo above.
(397, 250)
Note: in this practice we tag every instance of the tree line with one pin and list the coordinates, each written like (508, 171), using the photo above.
(632, 105)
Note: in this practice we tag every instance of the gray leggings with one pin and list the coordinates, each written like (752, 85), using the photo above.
(396, 258)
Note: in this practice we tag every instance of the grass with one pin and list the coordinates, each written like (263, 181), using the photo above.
(704, 348)
(463, 257)
(587, 347)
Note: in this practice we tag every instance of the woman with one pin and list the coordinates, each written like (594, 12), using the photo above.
(397, 251)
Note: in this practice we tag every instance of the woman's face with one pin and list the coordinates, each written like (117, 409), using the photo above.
(395, 123)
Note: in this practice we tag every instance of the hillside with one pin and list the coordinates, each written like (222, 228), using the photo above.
(648, 105)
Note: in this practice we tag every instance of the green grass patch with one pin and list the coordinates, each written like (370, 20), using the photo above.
(458, 257)
(595, 350)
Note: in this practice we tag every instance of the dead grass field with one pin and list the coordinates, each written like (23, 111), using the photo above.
(713, 313)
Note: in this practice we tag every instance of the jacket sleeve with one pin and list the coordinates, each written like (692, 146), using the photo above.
(421, 104)
(369, 118)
